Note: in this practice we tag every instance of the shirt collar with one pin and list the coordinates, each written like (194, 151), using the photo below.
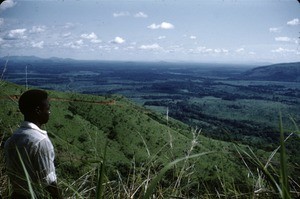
(31, 125)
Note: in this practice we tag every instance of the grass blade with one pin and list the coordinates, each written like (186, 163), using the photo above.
(255, 161)
(283, 164)
(161, 173)
(27, 176)
(101, 173)
(296, 127)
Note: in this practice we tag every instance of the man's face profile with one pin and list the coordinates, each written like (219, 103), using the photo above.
(43, 111)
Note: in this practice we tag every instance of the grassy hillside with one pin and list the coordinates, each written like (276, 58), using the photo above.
(139, 143)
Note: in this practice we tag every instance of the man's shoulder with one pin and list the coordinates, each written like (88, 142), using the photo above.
(30, 133)
(27, 136)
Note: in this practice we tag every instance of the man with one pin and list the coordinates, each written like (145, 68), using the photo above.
(29, 153)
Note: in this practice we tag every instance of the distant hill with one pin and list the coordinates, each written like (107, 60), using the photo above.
(287, 72)
(32, 58)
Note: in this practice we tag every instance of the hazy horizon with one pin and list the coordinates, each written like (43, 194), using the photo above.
(240, 63)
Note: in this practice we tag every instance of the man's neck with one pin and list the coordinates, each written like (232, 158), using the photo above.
(34, 121)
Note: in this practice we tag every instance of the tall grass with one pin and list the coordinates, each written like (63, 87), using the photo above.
(161, 173)
(144, 182)
(30, 187)
(285, 191)
(273, 181)
(101, 173)
(268, 183)
(4, 183)
(3, 71)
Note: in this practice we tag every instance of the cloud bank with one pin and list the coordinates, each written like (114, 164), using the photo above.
(16, 34)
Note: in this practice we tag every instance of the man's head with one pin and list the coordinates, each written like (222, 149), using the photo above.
(34, 105)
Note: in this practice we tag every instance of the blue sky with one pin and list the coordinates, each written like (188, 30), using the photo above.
(153, 30)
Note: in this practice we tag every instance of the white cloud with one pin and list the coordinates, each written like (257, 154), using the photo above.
(193, 37)
(1, 40)
(127, 14)
(294, 22)
(161, 37)
(75, 45)
(37, 44)
(72, 45)
(121, 14)
(203, 49)
(89, 36)
(240, 50)
(283, 50)
(1, 21)
(285, 39)
(153, 26)
(150, 47)
(16, 34)
(275, 30)
(163, 25)
(210, 51)
(7, 4)
(141, 15)
(92, 37)
(118, 40)
(37, 29)
(79, 42)
(219, 50)
(166, 25)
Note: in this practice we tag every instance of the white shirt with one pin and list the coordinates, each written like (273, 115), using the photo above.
(37, 153)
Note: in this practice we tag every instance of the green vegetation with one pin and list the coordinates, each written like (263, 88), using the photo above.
(109, 147)
(228, 102)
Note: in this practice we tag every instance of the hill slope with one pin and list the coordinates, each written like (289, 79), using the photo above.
(81, 124)
(289, 72)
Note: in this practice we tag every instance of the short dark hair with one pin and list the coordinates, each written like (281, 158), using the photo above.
(31, 99)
